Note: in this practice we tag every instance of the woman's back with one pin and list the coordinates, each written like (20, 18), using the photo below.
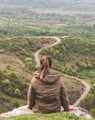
(47, 92)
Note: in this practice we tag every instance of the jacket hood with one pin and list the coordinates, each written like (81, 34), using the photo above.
(52, 77)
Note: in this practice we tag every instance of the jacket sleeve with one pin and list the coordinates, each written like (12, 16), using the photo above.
(64, 97)
(31, 96)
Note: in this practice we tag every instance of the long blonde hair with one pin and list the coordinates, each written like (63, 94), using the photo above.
(45, 65)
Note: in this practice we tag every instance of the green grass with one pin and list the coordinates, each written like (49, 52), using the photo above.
(54, 116)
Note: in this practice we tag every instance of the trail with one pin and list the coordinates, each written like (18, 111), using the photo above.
(87, 89)
(36, 54)
(24, 109)
(87, 86)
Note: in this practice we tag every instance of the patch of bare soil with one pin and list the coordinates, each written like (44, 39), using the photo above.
(61, 25)
(11, 63)
(91, 22)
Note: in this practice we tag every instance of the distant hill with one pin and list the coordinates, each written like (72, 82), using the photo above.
(59, 4)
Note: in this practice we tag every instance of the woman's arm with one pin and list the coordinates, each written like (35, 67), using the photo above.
(64, 97)
(31, 96)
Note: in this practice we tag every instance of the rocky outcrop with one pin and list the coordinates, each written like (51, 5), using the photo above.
(24, 110)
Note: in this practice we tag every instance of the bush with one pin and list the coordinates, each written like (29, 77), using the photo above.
(83, 65)
(16, 104)
(8, 66)
(30, 63)
(88, 102)
(12, 76)
(91, 74)
(5, 85)
(6, 82)
(9, 91)
(17, 92)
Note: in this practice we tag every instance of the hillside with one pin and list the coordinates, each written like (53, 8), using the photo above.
(20, 20)
(17, 67)
(77, 58)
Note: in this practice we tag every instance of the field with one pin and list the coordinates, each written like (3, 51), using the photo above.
(20, 21)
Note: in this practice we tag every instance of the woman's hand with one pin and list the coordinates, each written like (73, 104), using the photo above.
(71, 107)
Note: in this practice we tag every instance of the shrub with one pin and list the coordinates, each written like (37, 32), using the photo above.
(83, 65)
(91, 74)
(12, 76)
(8, 66)
(17, 92)
(28, 60)
(9, 91)
(16, 104)
(5, 85)
(6, 82)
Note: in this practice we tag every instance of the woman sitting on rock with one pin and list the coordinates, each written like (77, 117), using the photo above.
(47, 91)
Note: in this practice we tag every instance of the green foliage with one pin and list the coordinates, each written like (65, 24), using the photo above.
(12, 76)
(69, 70)
(15, 76)
(77, 60)
(6, 82)
(45, 23)
(83, 65)
(8, 66)
(29, 62)
(16, 104)
(17, 93)
(74, 60)
(91, 74)
(88, 102)
(74, 56)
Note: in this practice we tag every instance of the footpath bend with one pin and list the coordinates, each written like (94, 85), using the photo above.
(87, 86)
(78, 111)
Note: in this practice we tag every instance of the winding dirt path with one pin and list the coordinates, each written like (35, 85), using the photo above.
(36, 54)
(87, 86)
(26, 110)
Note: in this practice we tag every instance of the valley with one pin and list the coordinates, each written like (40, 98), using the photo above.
(24, 30)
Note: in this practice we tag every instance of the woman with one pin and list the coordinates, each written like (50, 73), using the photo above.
(47, 92)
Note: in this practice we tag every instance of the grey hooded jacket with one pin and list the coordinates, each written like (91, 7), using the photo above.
(47, 95)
